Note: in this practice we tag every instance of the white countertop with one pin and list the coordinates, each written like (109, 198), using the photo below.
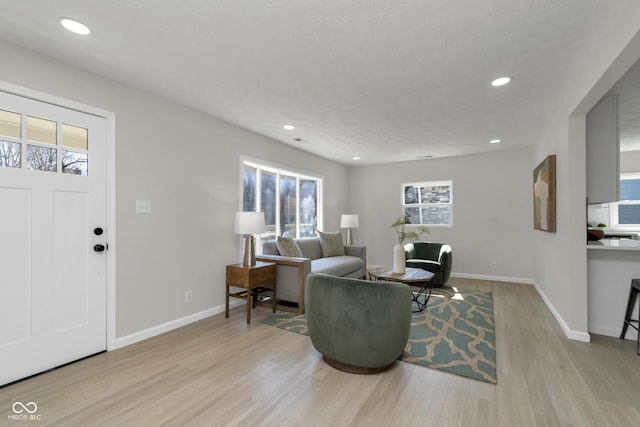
(615, 244)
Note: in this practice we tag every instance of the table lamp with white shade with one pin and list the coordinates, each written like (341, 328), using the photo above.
(249, 223)
(349, 221)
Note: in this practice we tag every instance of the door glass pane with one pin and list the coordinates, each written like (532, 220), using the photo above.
(10, 124)
(249, 188)
(288, 202)
(268, 203)
(308, 207)
(74, 137)
(41, 130)
(10, 154)
(41, 158)
(75, 163)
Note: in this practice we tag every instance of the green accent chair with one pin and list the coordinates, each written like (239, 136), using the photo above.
(358, 325)
(434, 257)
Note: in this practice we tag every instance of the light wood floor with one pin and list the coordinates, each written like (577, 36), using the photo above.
(221, 372)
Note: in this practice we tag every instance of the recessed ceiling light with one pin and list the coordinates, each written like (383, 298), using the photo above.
(356, 158)
(75, 26)
(289, 127)
(501, 81)
(494, 141)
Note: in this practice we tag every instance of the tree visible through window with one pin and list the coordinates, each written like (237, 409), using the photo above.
(290, 201)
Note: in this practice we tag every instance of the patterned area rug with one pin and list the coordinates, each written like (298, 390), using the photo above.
(454, 334)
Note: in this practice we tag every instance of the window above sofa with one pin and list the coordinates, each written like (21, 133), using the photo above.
(291, 201)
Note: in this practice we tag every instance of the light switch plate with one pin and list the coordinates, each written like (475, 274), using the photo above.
(143, 206)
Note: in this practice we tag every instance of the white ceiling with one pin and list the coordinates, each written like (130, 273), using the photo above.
(385, 80)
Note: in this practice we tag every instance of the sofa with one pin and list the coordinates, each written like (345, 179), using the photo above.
(292, 271)
(434, 257)
(358, 326)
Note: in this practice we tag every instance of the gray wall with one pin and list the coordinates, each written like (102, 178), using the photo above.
(188, 165)
(492, 210)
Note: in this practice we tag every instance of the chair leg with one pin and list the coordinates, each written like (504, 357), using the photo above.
(638, 328)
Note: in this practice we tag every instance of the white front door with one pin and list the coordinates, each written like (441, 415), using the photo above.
(52, 215)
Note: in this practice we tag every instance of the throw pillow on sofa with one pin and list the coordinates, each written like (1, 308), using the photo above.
(288, 247)
(331, 243)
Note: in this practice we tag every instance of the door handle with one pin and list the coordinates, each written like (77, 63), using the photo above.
(99, 248)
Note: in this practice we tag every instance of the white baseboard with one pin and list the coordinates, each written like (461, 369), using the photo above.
(493, 278)
(571, 334)
(631, 334)
(174, 324)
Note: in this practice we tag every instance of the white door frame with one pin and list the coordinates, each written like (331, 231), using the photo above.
(110, 118)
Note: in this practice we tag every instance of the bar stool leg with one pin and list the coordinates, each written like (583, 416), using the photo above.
(633, 292)
(638, 328)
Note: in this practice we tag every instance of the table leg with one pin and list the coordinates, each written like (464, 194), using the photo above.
(226, 306)
(249, 305)
(273, 296)
(425, 290)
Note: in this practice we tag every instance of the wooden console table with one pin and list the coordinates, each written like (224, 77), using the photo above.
(253, 279)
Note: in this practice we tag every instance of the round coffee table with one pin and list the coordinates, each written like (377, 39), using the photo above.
(415, 277)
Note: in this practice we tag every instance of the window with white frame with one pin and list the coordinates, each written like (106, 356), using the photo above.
(291, 201)
(428, 203)
(626, 212)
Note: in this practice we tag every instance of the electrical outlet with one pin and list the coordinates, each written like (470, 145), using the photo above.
(492, 265)
(188, 297)
(143, 206)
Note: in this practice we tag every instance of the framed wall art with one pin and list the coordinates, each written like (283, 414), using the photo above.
(544, 195)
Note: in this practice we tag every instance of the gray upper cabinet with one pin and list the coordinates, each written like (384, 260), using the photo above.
(603, 152)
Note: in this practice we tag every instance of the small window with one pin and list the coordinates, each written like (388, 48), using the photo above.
(428, 203)
(626, 212)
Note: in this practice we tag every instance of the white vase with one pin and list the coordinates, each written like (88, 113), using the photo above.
(398, 259)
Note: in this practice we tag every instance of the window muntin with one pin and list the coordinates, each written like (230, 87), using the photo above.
(289, 200)
(428, 203)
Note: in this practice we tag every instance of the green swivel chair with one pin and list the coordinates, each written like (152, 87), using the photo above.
(359, 326)
(434, 257)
